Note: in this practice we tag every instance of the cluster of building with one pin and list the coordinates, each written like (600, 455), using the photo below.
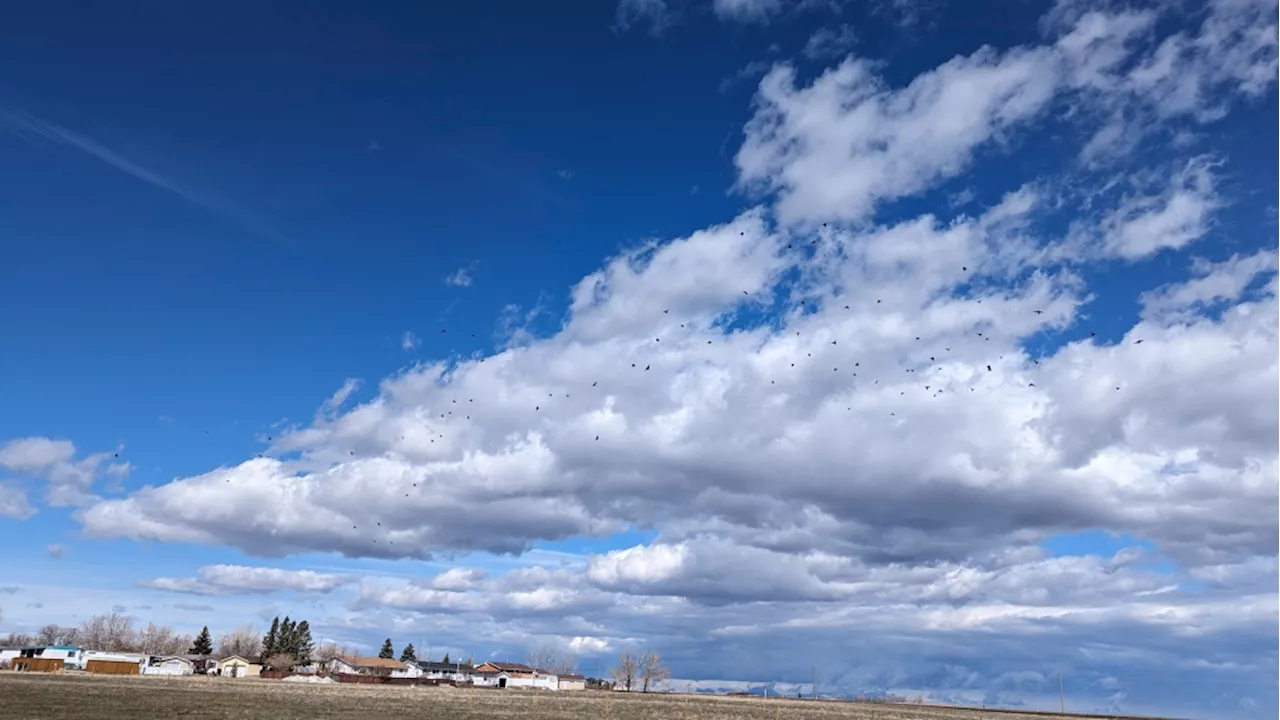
(56, 658)
(488, 674)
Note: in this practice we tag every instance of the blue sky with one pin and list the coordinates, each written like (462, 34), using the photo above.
(259, 254)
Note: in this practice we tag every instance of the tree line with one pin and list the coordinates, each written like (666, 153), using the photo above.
(116, 632)
(289, 643)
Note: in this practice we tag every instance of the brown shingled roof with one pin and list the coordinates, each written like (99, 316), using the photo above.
(357, 661)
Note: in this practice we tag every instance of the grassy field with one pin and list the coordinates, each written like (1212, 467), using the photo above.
(76, 696)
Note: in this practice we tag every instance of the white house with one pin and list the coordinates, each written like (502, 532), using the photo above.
(170, 665)
(72, 656)
(359, 665)
(516, 675)
(113, 657)
(457, 672)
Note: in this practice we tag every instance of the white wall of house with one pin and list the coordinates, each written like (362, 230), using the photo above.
(410, 671)
(169, 666)
(8, 654)
(573, 683)
(71, 657)
(114, 656)
(487, 680)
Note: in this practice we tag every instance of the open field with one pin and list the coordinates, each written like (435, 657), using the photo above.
(88, 697)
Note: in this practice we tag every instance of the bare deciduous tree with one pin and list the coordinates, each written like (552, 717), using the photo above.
(624, 675)
(56, 635)
(280, 661)
(17, 640)
(327, 651)
(652, 671)
(243, 641)
(112, 632)
(162, 640)
(552, 660)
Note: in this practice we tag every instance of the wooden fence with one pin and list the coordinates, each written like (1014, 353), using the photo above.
(41, 665)
(113, 667)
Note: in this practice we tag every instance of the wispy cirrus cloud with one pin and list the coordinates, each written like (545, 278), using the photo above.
(37, 129)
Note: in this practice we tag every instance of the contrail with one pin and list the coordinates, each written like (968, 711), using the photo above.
(25, 125)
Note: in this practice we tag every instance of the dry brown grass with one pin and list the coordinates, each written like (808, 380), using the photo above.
(78, 696)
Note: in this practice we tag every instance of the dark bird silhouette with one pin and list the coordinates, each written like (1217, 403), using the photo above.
(597, 437)
(646, 367)
(664, 312)
(1139, 342)
(988, 368)
(1039, 312)
(1093, 334)
(1031, 385)
(594, 383)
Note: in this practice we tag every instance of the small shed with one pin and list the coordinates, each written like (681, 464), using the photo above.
(573, 681)
(360, 665)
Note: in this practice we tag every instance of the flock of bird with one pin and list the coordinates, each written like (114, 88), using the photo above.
(933, 387)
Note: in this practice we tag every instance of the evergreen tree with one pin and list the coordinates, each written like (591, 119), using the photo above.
(302, 645)
(387, 651)
(408, 654)
(271, 641)
(284, 641)
(203, 644)
(446, 659)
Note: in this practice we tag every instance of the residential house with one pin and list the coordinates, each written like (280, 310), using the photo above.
(72, 656)
(360, 665)
(236, 666)
(573, 681)
(457, 672)
(114, 663)
(519, 675)
(169, 665)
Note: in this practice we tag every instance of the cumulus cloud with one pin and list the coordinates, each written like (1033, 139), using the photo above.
(409, 341)
(13, 503)
(238, 579)
(834, 149)
(69, 481)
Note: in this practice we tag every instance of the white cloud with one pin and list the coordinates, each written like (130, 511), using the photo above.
(746, 11)
(652, 13)
(13, 503)
(461, 277)
(830, 42)
(56, 551)
(69, 481)
(409, 341)
(1144, 225)
(235, 579)
(835, 149)
(1213, 283)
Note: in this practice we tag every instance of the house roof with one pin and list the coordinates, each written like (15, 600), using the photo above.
(359, 661)
(236, 657)
(433, 665)
(510, 666)
(573, 676)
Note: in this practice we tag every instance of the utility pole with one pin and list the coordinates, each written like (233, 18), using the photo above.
(815, 681)
(1062, 699)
